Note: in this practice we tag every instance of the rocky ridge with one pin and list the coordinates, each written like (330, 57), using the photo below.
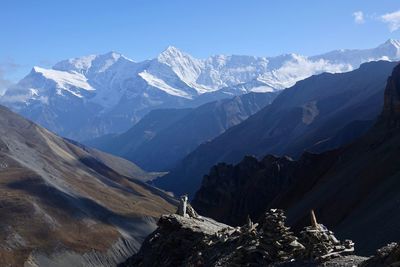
(200, 241)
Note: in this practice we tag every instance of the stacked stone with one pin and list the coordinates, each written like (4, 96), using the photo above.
(191, 212)
(277, 239)
(321, 244)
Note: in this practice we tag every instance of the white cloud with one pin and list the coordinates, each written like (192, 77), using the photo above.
(359, 17)
(392, 19)
(299, 68)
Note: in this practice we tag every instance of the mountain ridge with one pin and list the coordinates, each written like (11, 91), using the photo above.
(163, 137)
(112, 92)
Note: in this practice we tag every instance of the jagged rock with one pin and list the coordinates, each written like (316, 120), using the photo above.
(177, 241)
(199, 241)
(224, 192)
(321, 244)
(388, 255)
(191, 212)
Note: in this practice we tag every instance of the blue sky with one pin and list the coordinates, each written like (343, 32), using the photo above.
(43, 32)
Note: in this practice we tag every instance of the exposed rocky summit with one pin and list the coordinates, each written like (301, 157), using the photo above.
(189, 241)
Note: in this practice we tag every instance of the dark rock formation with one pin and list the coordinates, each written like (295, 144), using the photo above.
(391, 109)
(177, 241)
(230, 193)
(183, 241)
(388, 255)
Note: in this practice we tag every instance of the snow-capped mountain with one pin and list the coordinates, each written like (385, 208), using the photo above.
(85, 97)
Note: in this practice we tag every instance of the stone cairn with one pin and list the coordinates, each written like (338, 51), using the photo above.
(321, 244)
(261, 244)
(277, 239)
(268, 241)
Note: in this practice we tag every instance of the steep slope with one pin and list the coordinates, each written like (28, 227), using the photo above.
(353, 189)
(150, 126)
(85, 208)
(164, 137)
(314, 111)
(87, 97)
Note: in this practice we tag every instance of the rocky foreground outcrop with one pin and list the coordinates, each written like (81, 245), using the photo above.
(388, 255)
(188, 241)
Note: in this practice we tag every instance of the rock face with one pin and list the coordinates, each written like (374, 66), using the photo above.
(388, 255)
(229, 193)
(185, 241)
(177, 241)
(353, 188)
(313, 115)
(391, 110)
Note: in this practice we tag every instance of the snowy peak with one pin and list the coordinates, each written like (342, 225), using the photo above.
(173, 57)
(389, 49)
(171, 51)
(110, 85)
(391, 43)
(89, 64)
(81, 64)
(64, 80)
(186, 67)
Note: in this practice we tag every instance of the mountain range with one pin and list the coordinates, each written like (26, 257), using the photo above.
(163, 137)
(353, 189)
(64, 204)
(87, 97)
(319, 113)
